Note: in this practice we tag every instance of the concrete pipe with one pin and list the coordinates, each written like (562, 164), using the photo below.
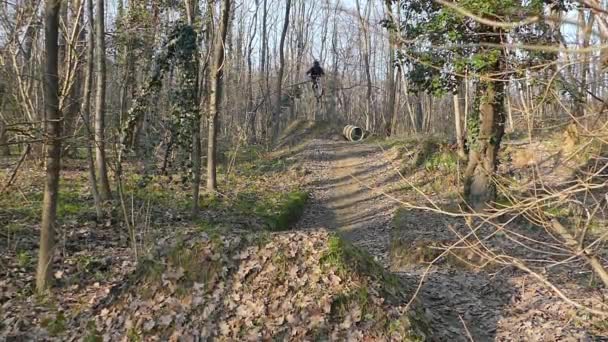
(353, 133)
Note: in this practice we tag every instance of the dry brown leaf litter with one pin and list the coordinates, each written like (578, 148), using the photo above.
(280, 288)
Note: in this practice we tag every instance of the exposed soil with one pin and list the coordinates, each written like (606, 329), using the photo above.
(349, 183)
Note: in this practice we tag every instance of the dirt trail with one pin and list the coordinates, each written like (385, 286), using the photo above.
(458, 302)
(340, 175)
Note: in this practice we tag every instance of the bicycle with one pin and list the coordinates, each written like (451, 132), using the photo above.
(317, 89)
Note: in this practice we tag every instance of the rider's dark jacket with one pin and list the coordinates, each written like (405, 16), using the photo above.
(315, 72)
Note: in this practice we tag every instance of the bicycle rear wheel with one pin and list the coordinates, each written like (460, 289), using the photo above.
(316, 86)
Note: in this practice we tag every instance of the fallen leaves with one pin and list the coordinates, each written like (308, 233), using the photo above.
(277, 288)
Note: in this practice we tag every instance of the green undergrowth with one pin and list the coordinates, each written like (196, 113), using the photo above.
(433, 155)
(394, 142)
(164, 191)
(275, 211)
(429, 153)
(264, 166)
(410, 141)
(446, 161)
(347, 258)
(283, 210)
(261, 186)
(25, 206)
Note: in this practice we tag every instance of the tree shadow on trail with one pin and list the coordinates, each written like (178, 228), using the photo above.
(456, 297)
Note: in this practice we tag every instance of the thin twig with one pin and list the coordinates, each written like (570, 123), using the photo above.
(466, 329)
(13, 176)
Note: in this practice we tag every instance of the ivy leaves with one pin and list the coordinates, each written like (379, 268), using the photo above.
(178, 52)
(183, 50)
(443, 43)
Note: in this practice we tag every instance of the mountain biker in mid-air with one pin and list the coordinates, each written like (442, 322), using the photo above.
(315, 74)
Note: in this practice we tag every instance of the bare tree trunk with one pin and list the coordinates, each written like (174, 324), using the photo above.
(419, 112)
(278, 93)
(391, 98)
(457, 119)
(408, 103)
(586, 31)
(393, 72)
(4, 148)
(334, 95)
(205, 81)
(215, 96)
(71, 87)
(251, 111)
(100, 98)
(196, 163)
(85, 111)
(511, 126)
(366, 61)
(396, 101)
(53, 157)
(265, 67)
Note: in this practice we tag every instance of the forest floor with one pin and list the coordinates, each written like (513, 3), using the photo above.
(273, 255)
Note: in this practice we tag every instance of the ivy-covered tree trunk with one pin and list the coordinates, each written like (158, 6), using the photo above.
(192, 85)
(486, 128)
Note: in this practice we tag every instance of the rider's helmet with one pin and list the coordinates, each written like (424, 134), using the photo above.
(316, 63)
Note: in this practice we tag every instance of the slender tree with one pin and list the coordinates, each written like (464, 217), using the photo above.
(85, 109)
(251, 110)
(100, 100)
(53, 152)
(191, 10)
(458, 125)
(70, 89)
(365, 55)
(215, 96)
(278, 92)
(265, 64)
(4, 148)
(393, 72)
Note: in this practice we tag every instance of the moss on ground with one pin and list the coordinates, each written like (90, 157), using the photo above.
(16, 206)
(349, 260)
(442, 161)
(346, 258)
(158, 190)
(282, 212)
